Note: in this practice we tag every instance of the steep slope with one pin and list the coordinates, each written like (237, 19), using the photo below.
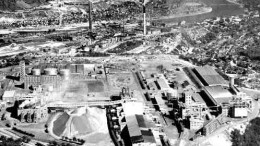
(12, 5)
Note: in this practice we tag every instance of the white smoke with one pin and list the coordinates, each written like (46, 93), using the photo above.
(27, 102)
(146, 1)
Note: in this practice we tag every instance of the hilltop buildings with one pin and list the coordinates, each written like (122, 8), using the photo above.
(216, 98)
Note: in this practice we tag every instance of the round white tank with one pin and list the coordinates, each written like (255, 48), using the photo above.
(50, 71)
(170, 95)
(28, 70)
(36, 71)
(65, 73)
(116, 127)
(50, 88)
(114, 118)
(113, 110)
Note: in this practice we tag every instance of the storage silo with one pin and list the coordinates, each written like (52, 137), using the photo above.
(65, 73)
(36, 71)
(114, 118)
(22, 116)
(50, 71)
(28, 70)
(29, 117)
(34, 117)
(80, 68)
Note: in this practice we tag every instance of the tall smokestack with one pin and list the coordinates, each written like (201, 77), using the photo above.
(90, 16)
(231, 81)
(60, 22)
(22, 70)
(144, 19)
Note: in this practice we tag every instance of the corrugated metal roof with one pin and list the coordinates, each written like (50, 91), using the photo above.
(218, 93)
(197, 98)
(148, 136)
(133, 127)
(141, 121)
(210, 76)
(162, 83)
(206, 70)
(9, 94)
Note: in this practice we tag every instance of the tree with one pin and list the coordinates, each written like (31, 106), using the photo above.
(26, 139)
(251, 4)
(53, 143)
(66, 138)
(160, 68)
(39, 144)
(251, 136)
(236, 138)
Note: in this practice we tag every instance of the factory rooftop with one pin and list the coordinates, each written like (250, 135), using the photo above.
(129, 110)
(133, 128)
(197, 98)
(138, 129)
(209, 77)
(162, 82)
(218, 94)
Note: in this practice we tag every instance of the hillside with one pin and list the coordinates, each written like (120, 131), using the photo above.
(12, 5)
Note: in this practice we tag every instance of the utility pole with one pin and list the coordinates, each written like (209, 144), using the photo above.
(90, 16)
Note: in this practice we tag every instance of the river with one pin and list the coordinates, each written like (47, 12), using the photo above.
(219, 8)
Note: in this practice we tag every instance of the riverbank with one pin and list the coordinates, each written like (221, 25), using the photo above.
(220, 8)
(203, 11)
(235, 2)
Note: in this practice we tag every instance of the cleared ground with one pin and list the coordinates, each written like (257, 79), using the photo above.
(84, 91)
(97, 86)
(119, 80)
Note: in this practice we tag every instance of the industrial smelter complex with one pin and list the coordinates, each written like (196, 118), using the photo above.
(202, 102)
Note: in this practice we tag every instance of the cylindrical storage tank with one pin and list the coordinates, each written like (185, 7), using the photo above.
(50, 71)
(36, 71)
(34, 117)
(170, 95)
(29, 117)
(118, 108)
(65, 73)
(22, 117)
(112, 110)
(114, 118)
(116, 127)
(28, 70)
(50, 88)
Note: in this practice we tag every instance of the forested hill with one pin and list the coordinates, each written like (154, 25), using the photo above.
(12, 5)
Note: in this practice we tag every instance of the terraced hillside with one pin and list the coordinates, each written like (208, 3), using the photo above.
(12, 5)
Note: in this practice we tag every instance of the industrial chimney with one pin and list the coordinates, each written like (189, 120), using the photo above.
(90, 16)
(22, 70)
(231, 81)
(144, 13)
(60, 22)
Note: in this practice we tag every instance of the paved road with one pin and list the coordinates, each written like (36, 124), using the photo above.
(251, 116)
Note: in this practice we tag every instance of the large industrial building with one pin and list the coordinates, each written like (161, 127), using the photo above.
(222, 97)
(51, 76)
(139, 131)
(208, 76)
(217, 92)
(217, 95)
